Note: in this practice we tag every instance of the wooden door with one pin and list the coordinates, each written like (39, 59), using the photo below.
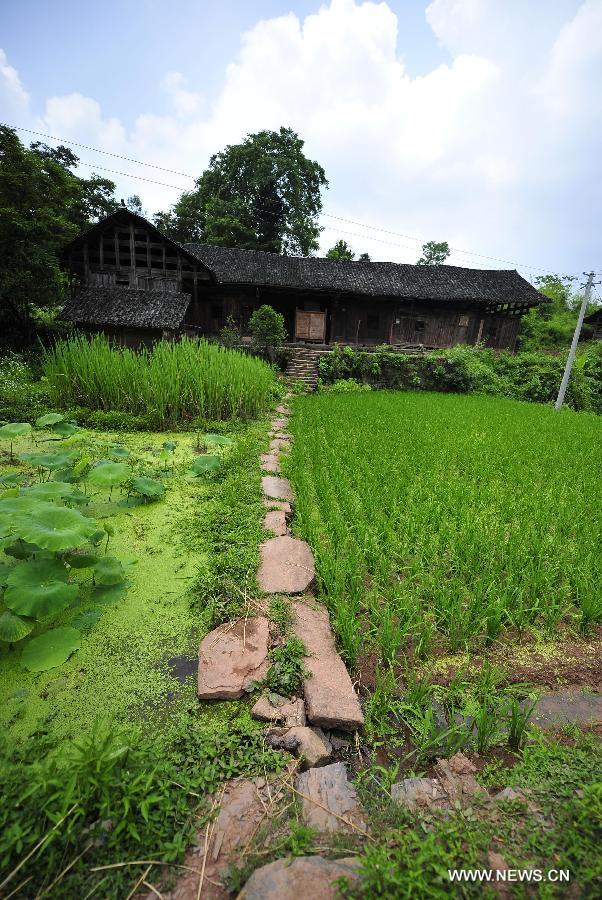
(310, 325)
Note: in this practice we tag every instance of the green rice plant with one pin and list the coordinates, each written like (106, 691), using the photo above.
(171, 382)
(447, 519)
(518, 726)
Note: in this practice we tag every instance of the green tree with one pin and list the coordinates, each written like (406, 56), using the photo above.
(267, 330)
(434, 253)
(341, 250)
(550, 325)
(262, 194)
(364, 257)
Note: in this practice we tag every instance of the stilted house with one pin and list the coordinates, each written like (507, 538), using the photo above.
(135, 284)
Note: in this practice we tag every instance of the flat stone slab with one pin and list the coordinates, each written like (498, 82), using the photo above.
(574, 706)
(288, 438)
(308, 744)
(275, 521)
(330, 699)
(288, 712)
(231, 656)
(283, 410)
(276, 488)
(279, 444)
(329, 801)
(279, 504)
(287, 566)
(270, 462)
(277, 424)
(304, 877)
(454, 783)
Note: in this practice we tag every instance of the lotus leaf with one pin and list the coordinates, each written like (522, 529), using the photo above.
(148, 487)
(38, 588)
(108, 474)
(13, 628)
(37, 572)
(97, 537)
(169, 445)
(14, 430)
(119, 452)
(50, 460)
(65, 429)
(109, 593)
(13, 478)
(204, 464)
(4, 573)
(50, 649)
(48, 490)
(49, 419)
(80, 559)
(55, 527)
(219, 439)
(109, 570)
(21, 549)
(87, 619)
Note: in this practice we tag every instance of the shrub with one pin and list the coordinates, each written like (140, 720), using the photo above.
(21, 399)
(267, 330)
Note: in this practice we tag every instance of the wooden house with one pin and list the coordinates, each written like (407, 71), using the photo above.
(594, 320)
(136, 285)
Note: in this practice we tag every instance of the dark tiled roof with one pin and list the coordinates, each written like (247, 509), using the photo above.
(128, 307)
(374, 279)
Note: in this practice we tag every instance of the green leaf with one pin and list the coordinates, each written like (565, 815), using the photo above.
(87, 619)
(55, 527)
(14, 430)
(66, 429)
(80, 559)
(108, 474)
(49, 419)
(109, 570)
(109, 593)
(119, 452)
(169, 445)
(10, 479)
(48, 490)
(50, 649)
(204, 464)
(4, 573)
(13, 628)
(219, 439)
(21, 549)
(38, 588)
(50, 460)
(148, 487)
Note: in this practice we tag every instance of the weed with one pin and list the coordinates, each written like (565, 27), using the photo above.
(287, 671)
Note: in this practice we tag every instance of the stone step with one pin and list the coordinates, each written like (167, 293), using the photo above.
(330, 699)
(275, 488)
(287, 566)
(231, 656)
(329, 801)
(306, 876)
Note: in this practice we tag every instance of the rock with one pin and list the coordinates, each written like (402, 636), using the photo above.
(413, 792)
(230, 657)
(456, 778)
(338, 743)
(276, 488)
(311, 744)
(287, 566)
(329, 801)
(289, 712)
(278, 504)
(329, 696)
(278, 424)
(567, 706)
(309, 877)
(270, 462)
(241, 810)
(275, 521)
(279, 444)
(287, 438)
(283, 410)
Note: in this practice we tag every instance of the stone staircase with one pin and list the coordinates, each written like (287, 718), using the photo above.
(303, 365)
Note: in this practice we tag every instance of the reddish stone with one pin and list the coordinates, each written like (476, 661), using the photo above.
(232, 656)
(270, 462)
(305, 877)
(276, 488)
(287, 566)
(329, 802)
(275, 521)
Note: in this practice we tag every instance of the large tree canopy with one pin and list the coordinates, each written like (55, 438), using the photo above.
(42, 205)
(262, 194)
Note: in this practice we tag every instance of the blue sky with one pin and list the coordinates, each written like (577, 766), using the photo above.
(475, 121)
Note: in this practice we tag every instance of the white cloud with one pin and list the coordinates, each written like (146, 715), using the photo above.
(14, 99)
(491, 150)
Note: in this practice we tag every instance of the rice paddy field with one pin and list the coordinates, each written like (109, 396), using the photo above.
(448, 521)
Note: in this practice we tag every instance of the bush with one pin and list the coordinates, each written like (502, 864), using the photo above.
(21, 399)
(465, 369)
(267, 330)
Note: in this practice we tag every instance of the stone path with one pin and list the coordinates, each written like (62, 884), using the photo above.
(232, 659)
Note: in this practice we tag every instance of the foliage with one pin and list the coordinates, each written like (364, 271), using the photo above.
(463, 537)
(21, 398)
(169, 383)
(434, 253)
(550, 326)
(42, 205)
(340, 250)
(230, 334)
(262, 194)
(112, 796)
(287, 671)
(267, 330)
(465, 369)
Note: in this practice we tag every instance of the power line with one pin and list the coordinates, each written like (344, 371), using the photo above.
(325, 215)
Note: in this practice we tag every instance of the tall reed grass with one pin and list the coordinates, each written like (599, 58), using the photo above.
(448, 519)
(170, 383)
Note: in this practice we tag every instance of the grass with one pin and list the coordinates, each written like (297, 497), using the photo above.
(111, 732)
(447, 519)
(173, 382)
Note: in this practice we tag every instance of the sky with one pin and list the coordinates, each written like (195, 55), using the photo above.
(478, 122)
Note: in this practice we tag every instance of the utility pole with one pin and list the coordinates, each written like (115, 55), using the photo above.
(573, 350)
